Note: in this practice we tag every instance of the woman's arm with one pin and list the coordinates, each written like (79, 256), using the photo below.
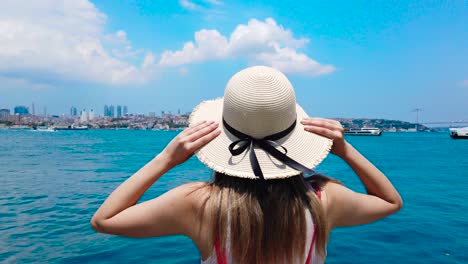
(166, 214)
(344, 206)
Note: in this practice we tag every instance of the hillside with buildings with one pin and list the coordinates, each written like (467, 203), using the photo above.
(119, 118)
(383, 124)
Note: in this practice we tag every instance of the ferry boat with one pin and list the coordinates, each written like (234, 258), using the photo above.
(363, 131)
(71, 128)
(459, 133)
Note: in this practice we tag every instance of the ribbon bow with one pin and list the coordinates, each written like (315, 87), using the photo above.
(268, 144)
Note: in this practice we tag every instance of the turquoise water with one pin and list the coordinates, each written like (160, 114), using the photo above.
(52, 182)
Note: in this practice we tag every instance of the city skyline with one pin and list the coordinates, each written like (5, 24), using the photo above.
(359, 59)
(77, 111)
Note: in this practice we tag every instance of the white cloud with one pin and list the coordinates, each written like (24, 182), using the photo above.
(187, 4)
(126, 52)
(61, 41)
(210, 45)
(262, 42)
(192, 6)
(47, 42)
(149, 61)
(214, 2)
(119, 37)
(121, 47)
(288, 60)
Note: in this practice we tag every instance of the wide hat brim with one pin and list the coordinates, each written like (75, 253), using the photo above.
(307, 148)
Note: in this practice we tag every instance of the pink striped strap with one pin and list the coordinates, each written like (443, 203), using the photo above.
(220, 256)
(309, 256)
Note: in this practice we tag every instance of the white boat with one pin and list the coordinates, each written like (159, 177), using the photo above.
(72, 127)
(363, 131)
(44, 129)
(459, 133)
(20, 127)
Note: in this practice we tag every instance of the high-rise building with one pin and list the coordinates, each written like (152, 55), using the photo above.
(125, 110)
(91, 114)
(45, 110)
(106, 110)
(73, 111)
(119, 111)
(4, 113)
(111, 111)
(21, 110)
(33, 109)
(84, 116)
(152, 114)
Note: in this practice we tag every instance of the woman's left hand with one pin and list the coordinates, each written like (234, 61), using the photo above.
(188, 141)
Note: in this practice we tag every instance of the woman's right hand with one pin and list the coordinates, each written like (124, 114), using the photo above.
(345, 207)
(329, 128)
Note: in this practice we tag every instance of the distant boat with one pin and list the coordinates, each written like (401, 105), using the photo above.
(20, 127)
(363, 131)
(71, 128)
(459, 133)
(44, 129)
(409, 130)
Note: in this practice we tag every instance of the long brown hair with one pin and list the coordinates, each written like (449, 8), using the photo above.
(265, 222)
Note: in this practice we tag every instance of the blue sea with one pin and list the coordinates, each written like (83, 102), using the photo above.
(51, 183)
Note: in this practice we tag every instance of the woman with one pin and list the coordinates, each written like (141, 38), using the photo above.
(259, 208)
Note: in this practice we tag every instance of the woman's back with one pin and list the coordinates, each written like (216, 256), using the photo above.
(277, 224)
(217, 256)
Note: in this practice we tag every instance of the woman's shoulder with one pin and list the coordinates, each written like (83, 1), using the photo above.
(319, 181)
(325, 188)
(193, 190)
(193, 193)
(199, 229)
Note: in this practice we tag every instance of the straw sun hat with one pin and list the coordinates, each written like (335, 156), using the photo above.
(261, 134)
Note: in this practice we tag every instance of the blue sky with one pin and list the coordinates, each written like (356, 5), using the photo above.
(376, 59)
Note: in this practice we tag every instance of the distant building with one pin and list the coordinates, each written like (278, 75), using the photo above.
(4, 113)
(151, 114)
(84, 116)
(111, 111)
(21, 110)
(119, 111)
(91, 114)
(106, 110)
(33, 109)
(125, 110)
(73, 111)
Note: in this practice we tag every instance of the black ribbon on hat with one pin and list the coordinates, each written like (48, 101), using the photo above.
(268, 144)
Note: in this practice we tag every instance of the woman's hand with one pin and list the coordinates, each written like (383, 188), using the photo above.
(188, 141)
(329, 128)
(345, 207)
(167, 214)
